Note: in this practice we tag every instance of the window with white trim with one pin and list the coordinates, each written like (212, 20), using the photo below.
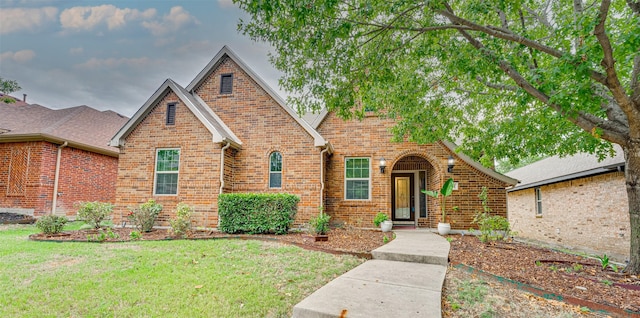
(167, 169)
(275, 170)
(538, 202)
(357, 179)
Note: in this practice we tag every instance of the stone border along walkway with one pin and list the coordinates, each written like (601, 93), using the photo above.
(404, 279)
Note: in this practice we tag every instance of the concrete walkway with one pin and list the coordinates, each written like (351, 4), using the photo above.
(403, 280)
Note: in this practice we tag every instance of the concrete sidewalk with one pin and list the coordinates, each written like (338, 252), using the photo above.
(403, 280)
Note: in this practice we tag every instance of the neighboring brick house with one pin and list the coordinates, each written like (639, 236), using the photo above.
(56, 158)
(173, 148)
(573, 202)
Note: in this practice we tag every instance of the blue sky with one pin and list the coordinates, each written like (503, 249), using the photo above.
(115, 54)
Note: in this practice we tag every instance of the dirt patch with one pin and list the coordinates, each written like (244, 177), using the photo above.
(353, 241)
(568, 277)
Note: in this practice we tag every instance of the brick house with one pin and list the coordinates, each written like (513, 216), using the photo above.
(227, 131)
(55, 158)
(574, 202)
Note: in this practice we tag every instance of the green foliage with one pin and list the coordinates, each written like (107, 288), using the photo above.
(492, 227)
(181, 225)
(94, 212)
(320, 224)
(607, 282)
(256, 213)
(145, 215)
(385, 239)
(445, 191)
(379, 218)
(604, 261)
(8, 87)
(135, 235)
(51, 224)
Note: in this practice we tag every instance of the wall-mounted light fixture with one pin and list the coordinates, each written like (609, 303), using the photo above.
(383, 164)
(450, 164)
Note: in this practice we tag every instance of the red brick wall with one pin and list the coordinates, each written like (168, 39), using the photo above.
(371, 138)
(84, 176)
(263, 127)
(199, 171)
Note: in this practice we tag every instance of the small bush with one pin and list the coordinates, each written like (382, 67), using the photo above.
(256, 213)
(51, 224)
(491, 228)
(145, 216)
(320, 224)
(380, 217)
(93, 213)
(181, 225)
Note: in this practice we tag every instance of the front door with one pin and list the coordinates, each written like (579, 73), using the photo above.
(402, 197)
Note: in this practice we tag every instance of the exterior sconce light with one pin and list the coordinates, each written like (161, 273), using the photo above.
(383, 164)
(450, 164)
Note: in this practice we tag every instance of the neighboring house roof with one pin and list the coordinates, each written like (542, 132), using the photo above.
(218, 59)
(555, 169)
(18, 101)
(219, 131)
(478, 166)
(82, 126)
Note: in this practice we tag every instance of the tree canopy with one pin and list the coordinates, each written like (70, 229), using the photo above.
(505, 79)
(8, 87)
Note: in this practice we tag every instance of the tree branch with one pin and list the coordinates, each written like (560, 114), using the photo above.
(634, 5)
(635, 81)
(501, 87)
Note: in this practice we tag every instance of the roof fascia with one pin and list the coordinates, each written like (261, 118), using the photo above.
(197, 81)
(478, 166)
(577, 175)
(57, 140)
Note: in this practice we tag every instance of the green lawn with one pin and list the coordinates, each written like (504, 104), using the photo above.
(215, 278)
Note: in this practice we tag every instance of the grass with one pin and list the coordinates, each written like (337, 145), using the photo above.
(215, 278)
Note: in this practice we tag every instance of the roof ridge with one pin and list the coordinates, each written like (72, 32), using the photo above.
(66, 118)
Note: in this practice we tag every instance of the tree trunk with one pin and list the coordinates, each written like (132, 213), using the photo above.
(632, 177)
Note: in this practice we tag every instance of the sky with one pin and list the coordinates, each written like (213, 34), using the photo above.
(113, 55)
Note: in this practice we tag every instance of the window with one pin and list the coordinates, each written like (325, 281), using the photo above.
(171, 114)
(538, 202)
(226, 83)
(167, 166)
(357, 179)
(275, 170)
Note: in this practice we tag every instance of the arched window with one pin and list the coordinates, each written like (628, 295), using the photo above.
(275, 170)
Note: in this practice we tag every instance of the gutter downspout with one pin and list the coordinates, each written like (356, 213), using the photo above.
(222, 165)
(322, 178)
(56, 178)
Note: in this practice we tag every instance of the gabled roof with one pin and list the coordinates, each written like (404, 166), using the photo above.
(315, 118)
(219, 131)
(218, 59)
(555, 169)
(478, 166)
(82, 127)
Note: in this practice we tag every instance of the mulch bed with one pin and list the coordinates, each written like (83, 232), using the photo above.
(565, 275)
(13, 218)
(357, 242)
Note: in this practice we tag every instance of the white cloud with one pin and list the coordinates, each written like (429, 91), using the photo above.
(110, 63)
(226, 4)
(18, 19)
(21, 56)
(87, 18)
(177, 18)
(76, 50)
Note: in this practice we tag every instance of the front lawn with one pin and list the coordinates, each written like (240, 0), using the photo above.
(211, 278)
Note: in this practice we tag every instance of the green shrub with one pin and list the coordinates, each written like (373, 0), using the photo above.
(320, 224)
(492, 227)
(51, 224)
(93, 213)
(256, 213)
(181, 225)
(144, 216)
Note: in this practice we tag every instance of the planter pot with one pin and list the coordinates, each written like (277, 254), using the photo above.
(386, 226)
(444, 228)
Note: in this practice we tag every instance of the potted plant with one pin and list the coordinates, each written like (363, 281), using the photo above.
(447, 188)
(382, 220)
(320, 226)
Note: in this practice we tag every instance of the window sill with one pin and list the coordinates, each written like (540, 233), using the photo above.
(538, 216)
(225, 95)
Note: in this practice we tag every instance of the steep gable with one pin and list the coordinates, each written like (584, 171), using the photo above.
(225, 53)
(219, 131)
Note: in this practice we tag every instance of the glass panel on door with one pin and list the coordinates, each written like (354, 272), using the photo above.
(403, 198)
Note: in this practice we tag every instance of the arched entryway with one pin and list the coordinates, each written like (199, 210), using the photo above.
(410, 175)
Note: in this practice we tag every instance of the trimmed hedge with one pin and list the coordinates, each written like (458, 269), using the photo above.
(256, 213)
